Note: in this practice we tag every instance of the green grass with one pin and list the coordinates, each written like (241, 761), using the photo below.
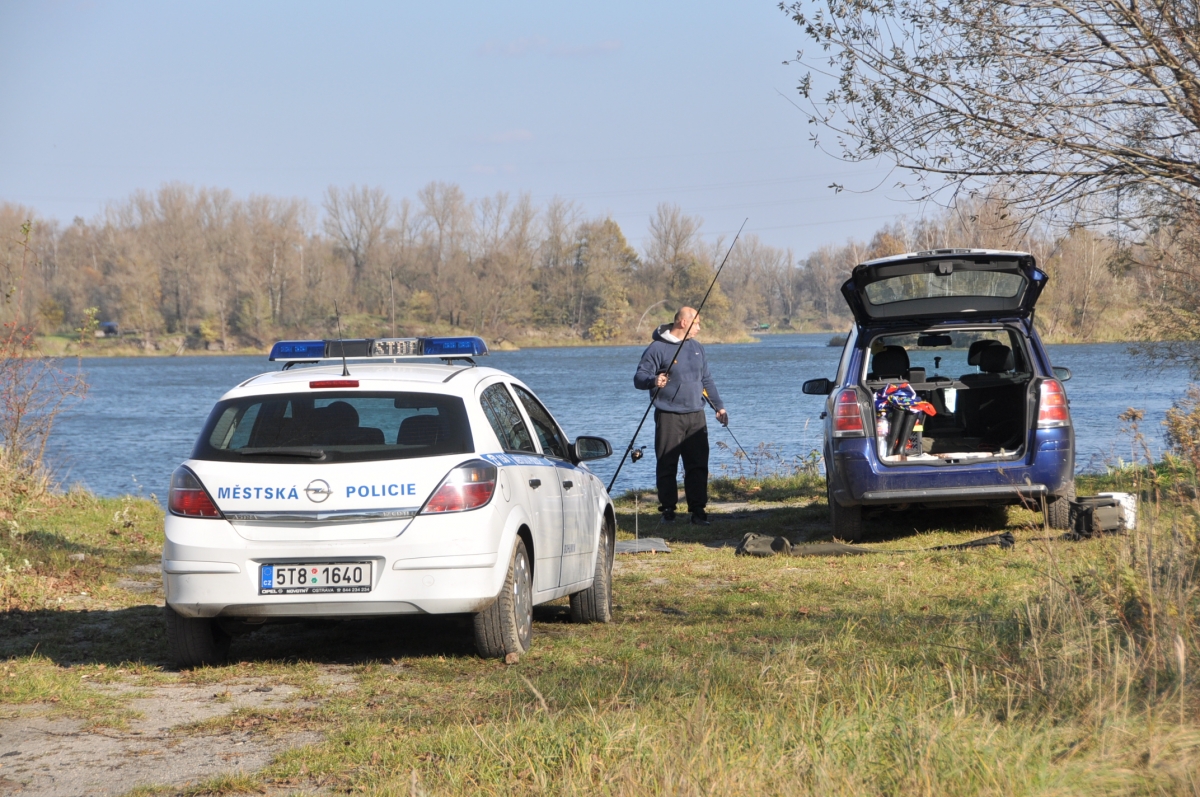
(1046, 669)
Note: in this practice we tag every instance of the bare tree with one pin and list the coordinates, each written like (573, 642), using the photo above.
(1057, 101)
(356, 219)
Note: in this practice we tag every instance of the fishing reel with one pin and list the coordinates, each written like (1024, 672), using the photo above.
(637, 454)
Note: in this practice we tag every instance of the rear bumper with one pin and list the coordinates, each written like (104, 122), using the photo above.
(857, 477)
(998, 492)
(453, 563)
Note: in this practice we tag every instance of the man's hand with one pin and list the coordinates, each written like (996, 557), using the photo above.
(661, 381)
(723, 417)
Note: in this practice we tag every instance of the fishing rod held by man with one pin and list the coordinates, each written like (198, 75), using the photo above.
(675, 369)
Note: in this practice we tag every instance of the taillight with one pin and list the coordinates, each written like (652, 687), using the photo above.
(1052, 405)
(334, 383)
(188, 496)
(847, 415)
(468, 486)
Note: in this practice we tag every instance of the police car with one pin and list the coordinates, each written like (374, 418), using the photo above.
(388, 476)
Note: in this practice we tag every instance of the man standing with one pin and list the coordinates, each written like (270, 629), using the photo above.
(680, 429)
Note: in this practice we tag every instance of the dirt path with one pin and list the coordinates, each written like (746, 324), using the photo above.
(63, 758)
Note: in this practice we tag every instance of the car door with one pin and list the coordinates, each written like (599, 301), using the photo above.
(578, 532)
(539, 482)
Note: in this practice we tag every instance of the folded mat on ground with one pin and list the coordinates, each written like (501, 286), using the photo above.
(755, 544)
(643, 545)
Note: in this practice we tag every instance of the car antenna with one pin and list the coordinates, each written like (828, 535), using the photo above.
(341, 343)
(654, 392)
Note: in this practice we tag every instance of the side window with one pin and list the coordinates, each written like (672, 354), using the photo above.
(549, 435)
(847, 350)
(505, 418)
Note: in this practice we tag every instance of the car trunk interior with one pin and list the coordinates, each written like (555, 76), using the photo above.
(975, 408)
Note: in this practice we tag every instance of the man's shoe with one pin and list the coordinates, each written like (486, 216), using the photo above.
(668, 516)
(700, 519)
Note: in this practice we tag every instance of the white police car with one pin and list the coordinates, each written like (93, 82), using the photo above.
(379, 485)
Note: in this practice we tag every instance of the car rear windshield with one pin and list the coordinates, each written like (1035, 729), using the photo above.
(335, 426)
(908, 287)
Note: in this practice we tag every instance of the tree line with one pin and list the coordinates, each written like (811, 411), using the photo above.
(198, 267)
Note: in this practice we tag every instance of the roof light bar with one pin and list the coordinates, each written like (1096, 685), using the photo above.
(310, 351)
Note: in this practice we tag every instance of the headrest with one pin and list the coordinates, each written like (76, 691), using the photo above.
(340, 415)
(978, 346)
(419, 430)
(890, 361)
(995, 359)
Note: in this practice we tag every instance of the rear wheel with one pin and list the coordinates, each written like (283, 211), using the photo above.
(846, 521)
(1058, 507)
(195, 641)
(594, 604)
(507, 625)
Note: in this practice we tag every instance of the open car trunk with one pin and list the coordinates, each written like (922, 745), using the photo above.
(978, 411)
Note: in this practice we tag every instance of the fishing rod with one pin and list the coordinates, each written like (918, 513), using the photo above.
(737, 442)
(675, 356)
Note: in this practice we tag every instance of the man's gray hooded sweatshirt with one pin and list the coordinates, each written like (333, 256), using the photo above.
(689, 376)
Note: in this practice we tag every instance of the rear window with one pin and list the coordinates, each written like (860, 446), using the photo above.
(336, 426)
(908, 287)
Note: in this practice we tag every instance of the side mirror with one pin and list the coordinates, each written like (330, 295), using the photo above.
(818, 387)
(588, 448)
(1062, 373)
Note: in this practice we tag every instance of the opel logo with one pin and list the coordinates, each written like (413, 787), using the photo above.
(317, 490)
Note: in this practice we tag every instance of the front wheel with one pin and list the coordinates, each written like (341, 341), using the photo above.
(845, 521)
(507, 625)
(1058, 507)
(594, 604)
(195, 641)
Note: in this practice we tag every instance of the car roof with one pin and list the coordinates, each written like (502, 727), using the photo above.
(423, 377)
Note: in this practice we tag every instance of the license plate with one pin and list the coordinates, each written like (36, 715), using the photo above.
(314, 578)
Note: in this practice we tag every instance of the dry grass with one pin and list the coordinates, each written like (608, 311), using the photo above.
(1056, 667)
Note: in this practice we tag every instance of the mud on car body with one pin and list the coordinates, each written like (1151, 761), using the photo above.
(944, 394)
(382, 486)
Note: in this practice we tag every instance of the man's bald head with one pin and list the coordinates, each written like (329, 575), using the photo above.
(687, 322)
(683, 315)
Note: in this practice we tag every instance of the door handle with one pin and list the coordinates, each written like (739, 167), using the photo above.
(568, 485)
(535, 483)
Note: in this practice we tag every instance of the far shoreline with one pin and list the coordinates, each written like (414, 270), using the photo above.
(107, 350)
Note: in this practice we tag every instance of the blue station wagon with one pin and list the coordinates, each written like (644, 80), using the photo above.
(944, 394)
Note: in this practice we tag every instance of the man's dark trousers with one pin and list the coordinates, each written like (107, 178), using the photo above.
(681, 434)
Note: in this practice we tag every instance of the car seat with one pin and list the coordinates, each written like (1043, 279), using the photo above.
(890, 363)
(977, 347)
(421, 430)
(339, 427)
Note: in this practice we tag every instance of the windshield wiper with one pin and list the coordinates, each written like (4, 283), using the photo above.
(310, 453)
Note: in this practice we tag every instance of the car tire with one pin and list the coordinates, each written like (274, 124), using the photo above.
(506, 626)
(845, 521)
(195, 641)
(1058, 507)
(594, 604)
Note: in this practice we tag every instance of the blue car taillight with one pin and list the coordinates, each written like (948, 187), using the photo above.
(847, 415)
(1052, 405)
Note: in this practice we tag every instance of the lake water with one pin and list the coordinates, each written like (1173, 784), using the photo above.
(142, 415)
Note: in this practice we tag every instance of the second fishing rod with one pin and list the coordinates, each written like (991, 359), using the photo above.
(678, 348)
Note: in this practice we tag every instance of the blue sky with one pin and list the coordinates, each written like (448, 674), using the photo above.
(617, 105)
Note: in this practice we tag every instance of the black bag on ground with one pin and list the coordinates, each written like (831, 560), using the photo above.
(1093, 515)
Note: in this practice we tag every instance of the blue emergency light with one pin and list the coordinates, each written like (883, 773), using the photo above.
(311, 351)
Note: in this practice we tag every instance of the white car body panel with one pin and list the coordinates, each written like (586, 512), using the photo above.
(438, 563)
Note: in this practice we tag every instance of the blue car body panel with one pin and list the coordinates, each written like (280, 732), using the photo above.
(1043, 468)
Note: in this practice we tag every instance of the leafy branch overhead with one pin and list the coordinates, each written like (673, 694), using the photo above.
(1060, 102)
